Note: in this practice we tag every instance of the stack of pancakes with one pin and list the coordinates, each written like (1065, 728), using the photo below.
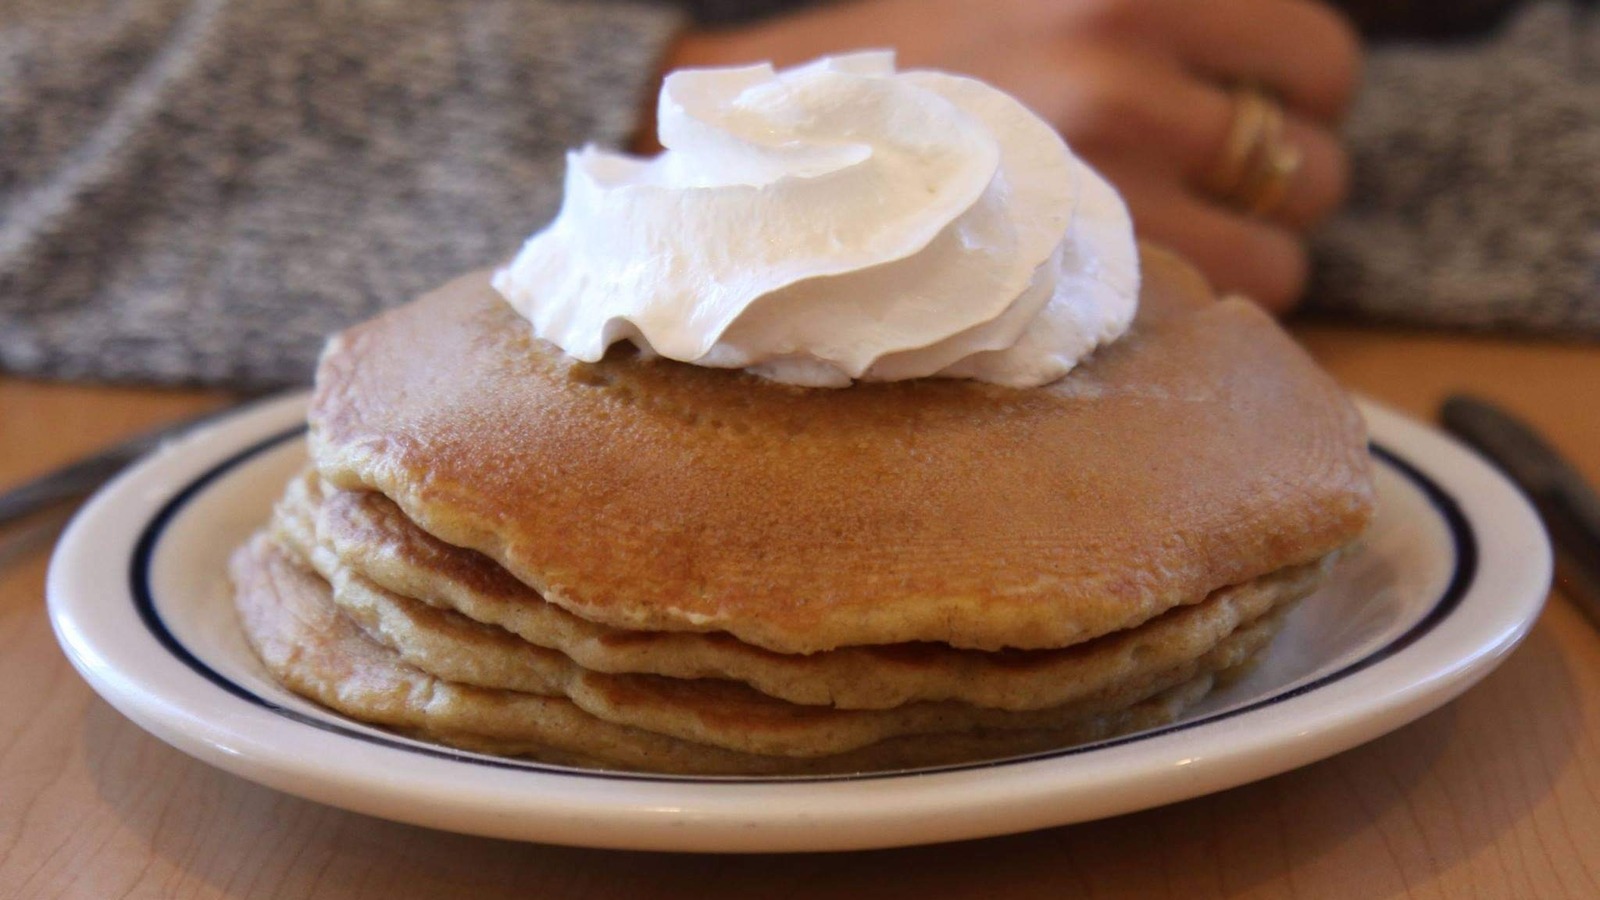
(646, 565)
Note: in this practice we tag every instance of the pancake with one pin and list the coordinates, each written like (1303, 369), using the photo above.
(1204, 449)
(646, 565)
(715, 712)
(373, 540)
(308, 645)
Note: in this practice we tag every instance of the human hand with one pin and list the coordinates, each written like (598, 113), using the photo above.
(1141, 89)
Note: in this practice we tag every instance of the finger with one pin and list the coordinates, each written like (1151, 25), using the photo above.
(1122, 109)
(1304, 51)
(1118, 104)
(1321, 184)
(1316, 187)
(1236, 253)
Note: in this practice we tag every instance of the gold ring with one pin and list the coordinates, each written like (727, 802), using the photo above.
(1257, 162)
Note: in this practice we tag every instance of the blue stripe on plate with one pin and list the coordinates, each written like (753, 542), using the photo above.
(1466, 566)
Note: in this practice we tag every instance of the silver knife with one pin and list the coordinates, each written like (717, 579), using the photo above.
(79, 479)
(1568, 505)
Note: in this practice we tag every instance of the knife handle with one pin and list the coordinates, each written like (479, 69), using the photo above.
(1565, 501)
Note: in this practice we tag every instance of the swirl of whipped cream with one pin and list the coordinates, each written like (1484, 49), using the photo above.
(832, 222)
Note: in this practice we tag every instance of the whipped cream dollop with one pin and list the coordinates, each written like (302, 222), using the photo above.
(836, 221)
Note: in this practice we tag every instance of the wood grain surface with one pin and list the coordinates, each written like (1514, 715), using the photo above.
(1495, 795)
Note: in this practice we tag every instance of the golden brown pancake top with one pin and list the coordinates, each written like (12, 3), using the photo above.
(1203, 449)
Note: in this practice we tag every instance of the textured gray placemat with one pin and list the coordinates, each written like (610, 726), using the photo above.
(1476, 198)
(198, 192)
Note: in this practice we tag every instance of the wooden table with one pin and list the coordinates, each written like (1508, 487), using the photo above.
(1495, 795)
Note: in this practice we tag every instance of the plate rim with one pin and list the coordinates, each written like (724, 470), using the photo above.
(645, 811)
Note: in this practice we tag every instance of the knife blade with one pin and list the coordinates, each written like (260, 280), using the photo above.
(80, 478)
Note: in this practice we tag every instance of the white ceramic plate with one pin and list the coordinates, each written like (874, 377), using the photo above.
(1451, 577)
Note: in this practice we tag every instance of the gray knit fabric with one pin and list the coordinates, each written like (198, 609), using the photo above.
(198, 192)
(1476, 199)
